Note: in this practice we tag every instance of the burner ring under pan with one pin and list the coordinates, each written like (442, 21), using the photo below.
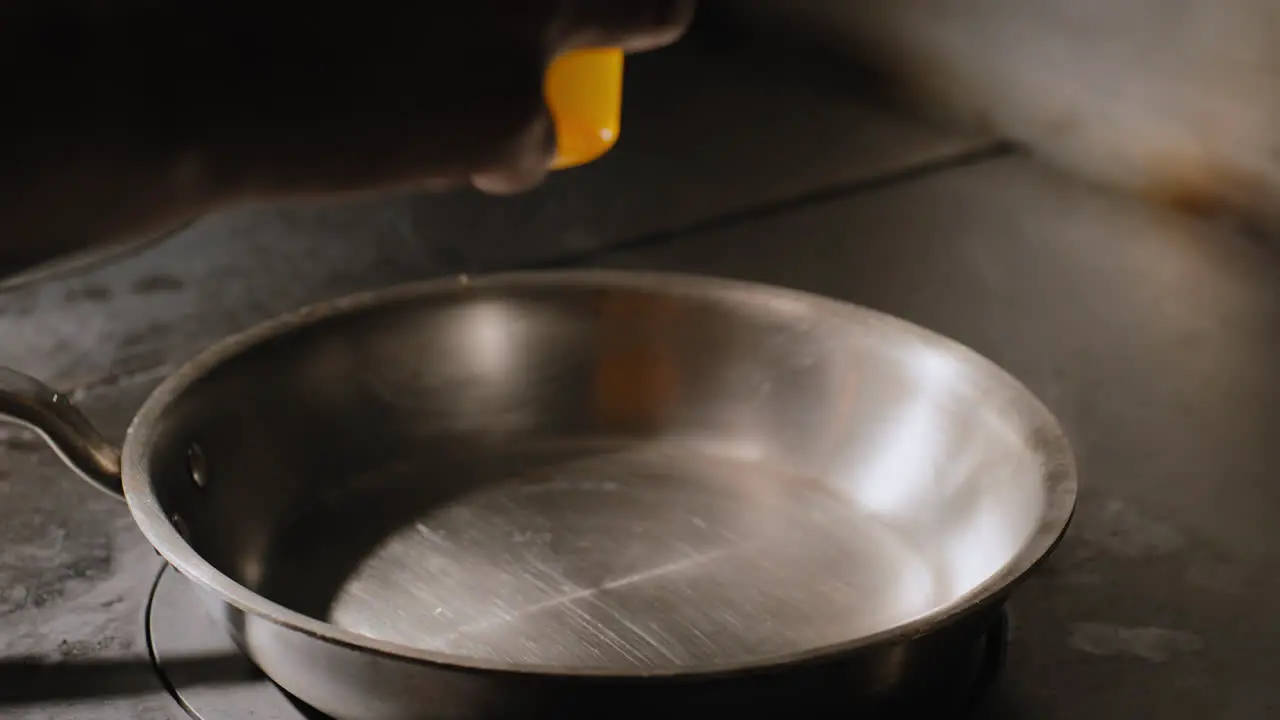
(210, 679)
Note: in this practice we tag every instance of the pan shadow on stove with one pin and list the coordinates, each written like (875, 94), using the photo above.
(29, 681)
(35, 680)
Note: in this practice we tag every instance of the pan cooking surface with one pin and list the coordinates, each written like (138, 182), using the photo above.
(639, 555)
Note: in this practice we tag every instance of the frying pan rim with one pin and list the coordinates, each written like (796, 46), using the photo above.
(1059, 477)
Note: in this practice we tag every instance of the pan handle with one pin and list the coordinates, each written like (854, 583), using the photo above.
(32, 404)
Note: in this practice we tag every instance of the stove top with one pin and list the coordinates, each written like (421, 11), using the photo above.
(212, 680)
(1150, 335)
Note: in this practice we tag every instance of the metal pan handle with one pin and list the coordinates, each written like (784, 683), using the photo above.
(31, 403)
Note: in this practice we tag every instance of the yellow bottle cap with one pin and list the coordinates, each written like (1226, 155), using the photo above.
(583, 89)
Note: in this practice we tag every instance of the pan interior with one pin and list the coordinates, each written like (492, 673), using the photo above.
(606, 478)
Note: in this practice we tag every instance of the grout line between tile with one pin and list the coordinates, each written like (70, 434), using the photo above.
(955, 161)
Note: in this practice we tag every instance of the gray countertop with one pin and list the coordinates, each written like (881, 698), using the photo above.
(1155, 338)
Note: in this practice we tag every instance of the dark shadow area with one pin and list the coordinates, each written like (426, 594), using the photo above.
(25, 681)
(305, 713)
(33, 680)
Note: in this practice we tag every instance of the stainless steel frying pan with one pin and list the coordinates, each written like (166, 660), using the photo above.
(563, 492)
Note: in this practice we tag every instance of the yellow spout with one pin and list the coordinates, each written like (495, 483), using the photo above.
(583, 90)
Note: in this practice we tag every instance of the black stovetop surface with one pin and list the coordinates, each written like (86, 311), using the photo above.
(1152, 337)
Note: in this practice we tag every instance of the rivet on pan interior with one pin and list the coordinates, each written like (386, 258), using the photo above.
(180, 526)
(198, 466)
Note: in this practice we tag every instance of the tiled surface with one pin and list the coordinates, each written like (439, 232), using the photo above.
(706, 135)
